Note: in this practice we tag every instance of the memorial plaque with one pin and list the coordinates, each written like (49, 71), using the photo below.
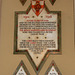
(21, 69)
(53, 70)
(37, 33)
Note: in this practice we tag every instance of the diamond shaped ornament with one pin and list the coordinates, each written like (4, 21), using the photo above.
(23, 2)
(52, 1)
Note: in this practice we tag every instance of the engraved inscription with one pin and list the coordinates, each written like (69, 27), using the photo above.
(37, 33)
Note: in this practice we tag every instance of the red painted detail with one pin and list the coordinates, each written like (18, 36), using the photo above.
(52, 0)
(26, 12)
(47, 12)
(29, 40)
(53, 64)
(22, 0)
(58, 24)
(58, 73)
(58, 37)
(58, 50)
(33, 42)
(42, 59)
(16, 50)
(37, 68)
(32, 6)
(37, 8)
(26, 50)
(21, 64)
(16, 37)
(48, 50)
(16, 13)
(16, 25)
(21, 29)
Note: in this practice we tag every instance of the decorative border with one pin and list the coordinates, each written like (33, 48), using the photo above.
(25, 52)
(55, 66)
(24, 67)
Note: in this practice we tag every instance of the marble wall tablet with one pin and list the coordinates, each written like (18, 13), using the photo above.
(37, 33)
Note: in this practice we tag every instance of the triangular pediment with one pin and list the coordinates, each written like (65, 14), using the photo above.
(21, 70)
(53, 69)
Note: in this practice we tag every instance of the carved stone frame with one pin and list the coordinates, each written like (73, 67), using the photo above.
(25, 52)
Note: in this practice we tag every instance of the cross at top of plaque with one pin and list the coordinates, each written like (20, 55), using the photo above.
(37, 7)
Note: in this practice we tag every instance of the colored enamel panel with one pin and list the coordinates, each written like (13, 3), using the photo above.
(21, 70)
(53, 69)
